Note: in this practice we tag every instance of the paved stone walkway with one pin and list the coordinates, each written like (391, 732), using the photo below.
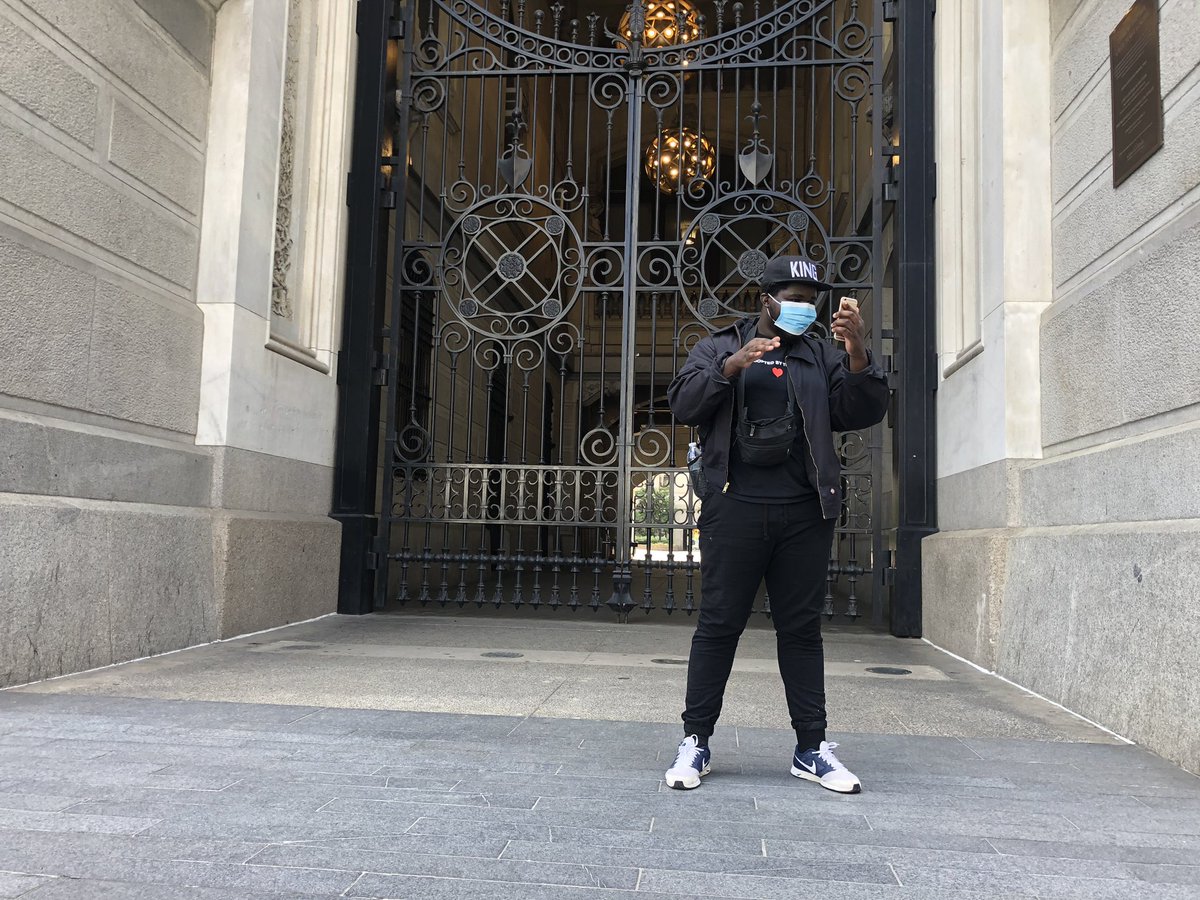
(108, 797)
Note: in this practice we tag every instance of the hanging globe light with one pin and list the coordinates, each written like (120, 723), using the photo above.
(668, 22)
(679, 156)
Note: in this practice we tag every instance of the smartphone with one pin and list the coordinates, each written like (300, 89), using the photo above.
(846, 303)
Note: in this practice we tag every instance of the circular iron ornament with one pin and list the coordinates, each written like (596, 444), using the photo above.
(598, 447)
(752, 264)
(661, 91)
(694, 332)
(652, 447)
(562, 340)
(851, 259)
(853, 83)
(428, 94)
(488, 354)
(511, 266)
(853, 449)
(716, 264)
(455, 338)
(605, 268)
(527, 355)
(412, 444)
(418, 270)
(608, 91)
(569, 195)
(459, 196)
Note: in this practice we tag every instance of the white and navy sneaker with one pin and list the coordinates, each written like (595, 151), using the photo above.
(825, 769)
(691, 763)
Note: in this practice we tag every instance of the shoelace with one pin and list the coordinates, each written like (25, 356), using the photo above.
(826, 754)
(689, 756)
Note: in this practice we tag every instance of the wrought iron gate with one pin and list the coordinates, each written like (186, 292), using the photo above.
(578, 200)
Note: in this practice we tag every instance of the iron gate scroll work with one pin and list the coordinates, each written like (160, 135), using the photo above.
(585, 199)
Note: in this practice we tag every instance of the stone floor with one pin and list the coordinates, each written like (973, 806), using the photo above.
(387, 758)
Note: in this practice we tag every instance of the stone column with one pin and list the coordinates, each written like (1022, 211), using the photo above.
(1069, 436)
(105, 535)
(995, 263)
(267, 408)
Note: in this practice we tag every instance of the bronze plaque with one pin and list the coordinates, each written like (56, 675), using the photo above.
(1137, 113)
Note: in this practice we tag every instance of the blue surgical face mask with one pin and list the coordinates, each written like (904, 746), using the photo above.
(794, 317)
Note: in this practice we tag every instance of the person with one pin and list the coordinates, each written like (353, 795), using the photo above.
(767, 397)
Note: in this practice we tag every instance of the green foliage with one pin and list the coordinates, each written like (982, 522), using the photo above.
(652, 507)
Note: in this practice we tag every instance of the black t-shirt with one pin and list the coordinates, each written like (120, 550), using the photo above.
(766, 398)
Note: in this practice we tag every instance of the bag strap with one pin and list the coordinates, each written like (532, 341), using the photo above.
(741, 393)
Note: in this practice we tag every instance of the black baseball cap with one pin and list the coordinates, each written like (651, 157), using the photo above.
(794, 269)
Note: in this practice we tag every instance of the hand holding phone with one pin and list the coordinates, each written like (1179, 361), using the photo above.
(845, 305)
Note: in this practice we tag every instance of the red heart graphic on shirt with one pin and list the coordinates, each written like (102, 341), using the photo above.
(777, 372)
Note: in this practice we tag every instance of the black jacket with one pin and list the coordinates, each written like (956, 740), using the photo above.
(831, 398)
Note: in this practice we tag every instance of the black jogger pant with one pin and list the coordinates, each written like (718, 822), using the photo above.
(741, 544)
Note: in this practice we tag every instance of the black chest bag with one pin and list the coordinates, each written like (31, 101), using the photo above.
(765, 442)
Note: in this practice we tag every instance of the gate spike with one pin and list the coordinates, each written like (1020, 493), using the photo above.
(498, 597)
(830, 578)
(517, 599)
(402, 597)
(595, 604)
(535, 591)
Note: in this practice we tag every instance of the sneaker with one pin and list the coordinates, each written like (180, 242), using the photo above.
(825, 769)
(691, 762)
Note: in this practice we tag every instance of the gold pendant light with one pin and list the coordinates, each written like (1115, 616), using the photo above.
(678, 157)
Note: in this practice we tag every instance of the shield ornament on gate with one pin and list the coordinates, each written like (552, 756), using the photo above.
(756, 164)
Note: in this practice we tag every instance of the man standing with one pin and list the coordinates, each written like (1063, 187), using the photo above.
(767, 398)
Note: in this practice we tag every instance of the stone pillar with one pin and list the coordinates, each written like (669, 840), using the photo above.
(267, 394)
(105, 533)
(1069, 432)
(994, 273)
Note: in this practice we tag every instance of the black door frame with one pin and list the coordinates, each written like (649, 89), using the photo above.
(356, 465)
(915, 344)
